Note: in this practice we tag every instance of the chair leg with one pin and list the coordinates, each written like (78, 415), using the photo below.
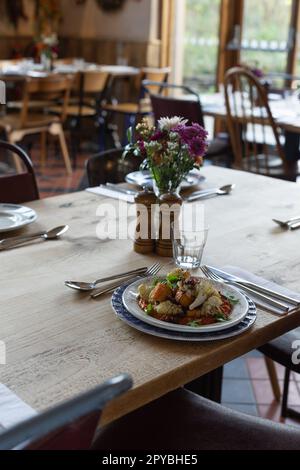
(43, 147)
(284, 406)
(64, 151)
(16, 159)
(273, 378)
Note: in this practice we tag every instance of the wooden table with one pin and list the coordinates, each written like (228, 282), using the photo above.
(60, 343)
(286, 113)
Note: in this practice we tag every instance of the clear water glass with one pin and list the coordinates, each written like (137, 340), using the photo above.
(188, 247)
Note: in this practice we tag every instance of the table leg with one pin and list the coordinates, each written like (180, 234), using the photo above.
(209, 385)
(292, 154)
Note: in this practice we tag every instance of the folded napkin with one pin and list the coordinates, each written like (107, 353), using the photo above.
(13, 410)
(107, 192)
(248, 276)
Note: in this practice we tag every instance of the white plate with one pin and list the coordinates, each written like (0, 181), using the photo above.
(239, 311)
(13, 217)
(142, 178)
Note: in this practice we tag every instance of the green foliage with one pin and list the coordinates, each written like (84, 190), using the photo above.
(264, 20)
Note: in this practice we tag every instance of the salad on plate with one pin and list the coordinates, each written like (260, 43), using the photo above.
(183, 299)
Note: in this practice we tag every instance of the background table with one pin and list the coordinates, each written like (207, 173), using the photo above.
(60, 343)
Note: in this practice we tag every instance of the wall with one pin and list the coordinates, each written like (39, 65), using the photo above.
(129, 34)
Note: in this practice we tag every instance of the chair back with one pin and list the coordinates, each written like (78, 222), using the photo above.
(68, 426)
(110, 167)
(54, 89)
(187, 105)
(155, 75)
(251, 126)
(21, 187)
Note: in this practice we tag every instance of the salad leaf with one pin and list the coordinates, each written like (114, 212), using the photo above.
(221, 318)
(233, 300)
(173, 278)
(149, 309)
(194, 324)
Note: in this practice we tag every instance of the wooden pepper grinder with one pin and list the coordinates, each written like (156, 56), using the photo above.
(169, 211)
(144, 240)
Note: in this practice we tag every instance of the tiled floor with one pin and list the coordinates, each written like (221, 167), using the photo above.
(246, 386)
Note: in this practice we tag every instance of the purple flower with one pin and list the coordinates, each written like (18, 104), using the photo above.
(258, 73)
(158, 135)
(142, 147)
(188, 133)
(198, 146)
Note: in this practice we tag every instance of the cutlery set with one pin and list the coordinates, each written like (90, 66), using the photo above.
(52, 234)
(195, 196)
(265, 298)
(128, 276)
(291, 224)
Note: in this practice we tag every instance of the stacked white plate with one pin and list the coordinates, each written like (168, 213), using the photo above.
(125, 305)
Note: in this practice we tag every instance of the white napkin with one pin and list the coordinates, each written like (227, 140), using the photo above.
(13, 410)
(248, 276)
(107, 192)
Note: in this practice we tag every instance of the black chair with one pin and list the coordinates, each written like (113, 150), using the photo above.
(189, 107)
(17, 187)
(68, 426)
(110, 166)
(185, 421)
(280, 350)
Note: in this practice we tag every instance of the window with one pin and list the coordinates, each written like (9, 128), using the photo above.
(201, 42)
(266, 37)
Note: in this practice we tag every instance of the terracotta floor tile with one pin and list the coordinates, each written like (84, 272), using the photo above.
(258, 370)
(263, 392)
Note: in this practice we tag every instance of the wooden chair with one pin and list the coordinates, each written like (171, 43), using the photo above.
(110, 167)
(280, 350)
(88, 91)
(28, 121)
(188, 106)
(255, 138)
(68, 426)
(185, 421)
(140, 106)
(18, 188)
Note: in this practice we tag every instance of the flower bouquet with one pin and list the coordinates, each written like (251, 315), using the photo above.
(170, 150)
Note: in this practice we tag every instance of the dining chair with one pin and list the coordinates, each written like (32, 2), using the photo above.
(281, 351)
(88, 91)
(70, 425)
(255, 137)
(28, 121)
(185, 421)
(17, 188)
(186, 104)
(133, 111)
(110, 167)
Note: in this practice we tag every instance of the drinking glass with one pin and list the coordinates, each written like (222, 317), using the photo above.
(188, 246)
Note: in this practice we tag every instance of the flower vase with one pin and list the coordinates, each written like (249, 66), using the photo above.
(169, 211)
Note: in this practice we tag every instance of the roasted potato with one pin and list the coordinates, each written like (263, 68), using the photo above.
(183, 299)
(160, 293)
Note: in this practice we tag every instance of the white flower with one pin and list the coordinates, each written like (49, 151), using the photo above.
(167, 124)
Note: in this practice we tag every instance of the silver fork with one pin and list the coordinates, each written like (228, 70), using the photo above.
(283, 309)
(151, 271)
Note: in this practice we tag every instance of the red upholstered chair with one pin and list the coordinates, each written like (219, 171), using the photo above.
(17, 187)
(68, 426)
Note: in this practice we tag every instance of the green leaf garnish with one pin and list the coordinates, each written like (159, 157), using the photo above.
(149, 309)
(233, 300)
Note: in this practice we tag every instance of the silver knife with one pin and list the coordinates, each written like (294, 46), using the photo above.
(263, 290)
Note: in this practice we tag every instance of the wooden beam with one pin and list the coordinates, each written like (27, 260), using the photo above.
(292, 55)
(167, 25)
(231, 15)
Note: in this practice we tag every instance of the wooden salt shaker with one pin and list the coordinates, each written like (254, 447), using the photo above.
(169, 211)
(144, 241)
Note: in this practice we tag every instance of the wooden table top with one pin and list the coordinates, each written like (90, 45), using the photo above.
(286, 111)
(60, 343)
